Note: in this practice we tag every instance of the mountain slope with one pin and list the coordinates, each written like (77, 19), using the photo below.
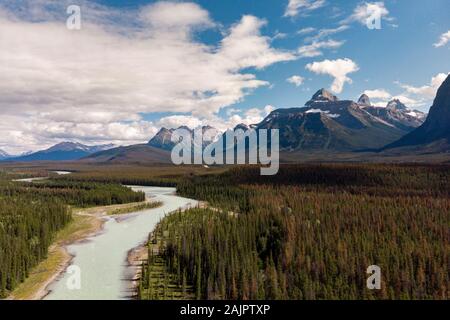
(436, 128)
(140, 153)
(397, 114)
(163, 139)
(61, 152)
(4, 155)
(326, 123)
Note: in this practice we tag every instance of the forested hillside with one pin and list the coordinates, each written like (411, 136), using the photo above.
(310, 233)
(32, 213)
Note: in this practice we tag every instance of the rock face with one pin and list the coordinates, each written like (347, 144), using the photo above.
(396, 105)
(437, 125)
(398, 115)
(163, 139)
(327, 123)
(322, 96)
(364, 100)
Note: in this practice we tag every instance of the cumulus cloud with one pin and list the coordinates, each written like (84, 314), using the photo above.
(296, 80)
(338, 69)
(235, 117)
(443, 40)
(176, 16)
(427, 91)
(297, 6)
(93, 84)
(412, 96)
(177, 121)
(244, 47)
(377, 94)
(315, 49)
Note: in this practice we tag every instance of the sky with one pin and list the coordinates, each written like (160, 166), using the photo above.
(134, 66)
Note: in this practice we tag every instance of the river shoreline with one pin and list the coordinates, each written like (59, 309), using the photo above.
(89, 228)
(87, 223)
(138, 255)
(110, 262)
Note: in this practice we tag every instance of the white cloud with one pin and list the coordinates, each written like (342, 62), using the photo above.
(296, 6)
(427, 91)
(306, 30)
(365, 11)
(443, 40)
(314, 49)
(378, 94)
(296, 80)
(323, 33)
(408, 101)
(176, 16)
(413, 97)
(235, 117)
(244, 47)
(177, 121)
(338, 69)
(94, 83)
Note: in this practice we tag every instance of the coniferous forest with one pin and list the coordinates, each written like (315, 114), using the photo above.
(309, 232)
(32, 213)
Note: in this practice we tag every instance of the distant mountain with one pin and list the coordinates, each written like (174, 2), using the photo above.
(163, 139)
(327, 123)
(139, 153)
(4, 155)
(157, 150)
(396, 114)
(26, 153)
(61, 152)
(436, 129)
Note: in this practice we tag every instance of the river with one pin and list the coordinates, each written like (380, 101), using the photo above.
(102, 259)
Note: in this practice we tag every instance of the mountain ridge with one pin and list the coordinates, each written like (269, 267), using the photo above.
(435, 128)
(62, 151)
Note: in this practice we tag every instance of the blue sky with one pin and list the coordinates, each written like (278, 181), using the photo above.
(402, 51)
(135, 66)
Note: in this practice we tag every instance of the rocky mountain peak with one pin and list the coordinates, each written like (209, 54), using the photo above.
(364, 100)
(241, 126)
(324, 95)
(396, 105)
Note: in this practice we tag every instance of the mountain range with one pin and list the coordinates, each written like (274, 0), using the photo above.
(60, 152)
(4, 155)
(324, 125)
